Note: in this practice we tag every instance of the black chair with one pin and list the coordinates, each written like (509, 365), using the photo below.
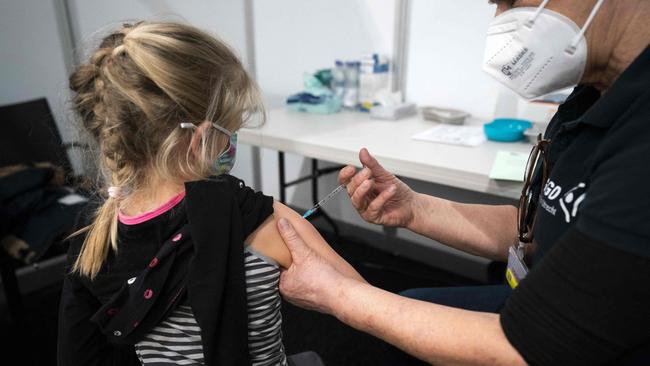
(28, 134)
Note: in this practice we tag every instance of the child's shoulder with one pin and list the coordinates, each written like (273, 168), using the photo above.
(205, 196)
(225, 184)
(218, 182)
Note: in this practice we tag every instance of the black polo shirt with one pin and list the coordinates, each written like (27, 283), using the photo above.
(587, 298)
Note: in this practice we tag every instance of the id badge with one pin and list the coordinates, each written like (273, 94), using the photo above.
(517, 268)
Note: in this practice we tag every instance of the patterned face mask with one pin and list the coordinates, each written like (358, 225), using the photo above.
(226, 160)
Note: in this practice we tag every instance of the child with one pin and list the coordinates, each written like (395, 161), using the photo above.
(180, 264)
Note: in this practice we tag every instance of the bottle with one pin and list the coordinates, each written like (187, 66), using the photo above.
(351, 94)
(373, 78)
(338, 79)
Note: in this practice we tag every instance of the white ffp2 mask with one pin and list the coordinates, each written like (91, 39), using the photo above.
(536, 51)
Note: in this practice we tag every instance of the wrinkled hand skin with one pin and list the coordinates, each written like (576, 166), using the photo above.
(310, 282)
(377, 194)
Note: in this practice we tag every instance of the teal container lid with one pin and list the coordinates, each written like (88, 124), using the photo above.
(506, 129)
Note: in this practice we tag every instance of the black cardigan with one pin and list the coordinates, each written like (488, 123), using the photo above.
(221, 213)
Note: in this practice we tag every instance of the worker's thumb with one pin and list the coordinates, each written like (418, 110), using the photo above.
(371, 163)
(294, 242)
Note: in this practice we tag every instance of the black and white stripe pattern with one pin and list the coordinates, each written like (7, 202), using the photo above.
(177, 340)
(264, 318)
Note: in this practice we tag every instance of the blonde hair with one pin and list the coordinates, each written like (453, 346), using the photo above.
(131, 96)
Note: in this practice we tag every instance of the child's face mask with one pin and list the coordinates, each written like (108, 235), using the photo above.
(226, 160)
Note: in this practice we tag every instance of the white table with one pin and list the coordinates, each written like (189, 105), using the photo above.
(339, 137)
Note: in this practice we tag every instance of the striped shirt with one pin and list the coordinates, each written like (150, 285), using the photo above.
(177, 339)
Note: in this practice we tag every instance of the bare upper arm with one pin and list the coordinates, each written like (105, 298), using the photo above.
(267, 240)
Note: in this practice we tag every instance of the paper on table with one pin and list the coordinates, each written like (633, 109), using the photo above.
(509, 165)
(455, 135)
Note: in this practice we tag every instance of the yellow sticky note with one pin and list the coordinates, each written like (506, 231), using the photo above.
(509, 165)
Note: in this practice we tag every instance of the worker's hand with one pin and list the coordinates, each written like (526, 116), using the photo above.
(311, 281)
(377, 194)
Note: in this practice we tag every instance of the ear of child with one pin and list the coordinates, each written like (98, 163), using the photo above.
(195, 143)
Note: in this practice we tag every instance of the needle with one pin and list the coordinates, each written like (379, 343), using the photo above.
(323, 201)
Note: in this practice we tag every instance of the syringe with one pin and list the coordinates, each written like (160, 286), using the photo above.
(323, 201)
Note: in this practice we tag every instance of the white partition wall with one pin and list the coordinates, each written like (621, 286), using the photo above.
(445, 54)
(294, 36)
(223, 18)
(33, 56)
(297, 36)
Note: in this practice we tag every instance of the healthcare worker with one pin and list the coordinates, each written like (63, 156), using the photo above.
(578, 246)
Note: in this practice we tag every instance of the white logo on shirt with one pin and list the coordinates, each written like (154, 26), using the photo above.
(569, 201)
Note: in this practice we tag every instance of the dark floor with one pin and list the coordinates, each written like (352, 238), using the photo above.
(337, 343)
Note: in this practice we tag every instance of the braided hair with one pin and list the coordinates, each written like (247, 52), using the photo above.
(141, 82)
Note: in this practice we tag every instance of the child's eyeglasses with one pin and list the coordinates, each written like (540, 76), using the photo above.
(193, 127)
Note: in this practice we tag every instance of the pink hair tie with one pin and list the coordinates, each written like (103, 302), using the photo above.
(115, 192)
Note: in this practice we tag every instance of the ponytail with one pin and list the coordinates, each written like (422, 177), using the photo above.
(101, 233)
